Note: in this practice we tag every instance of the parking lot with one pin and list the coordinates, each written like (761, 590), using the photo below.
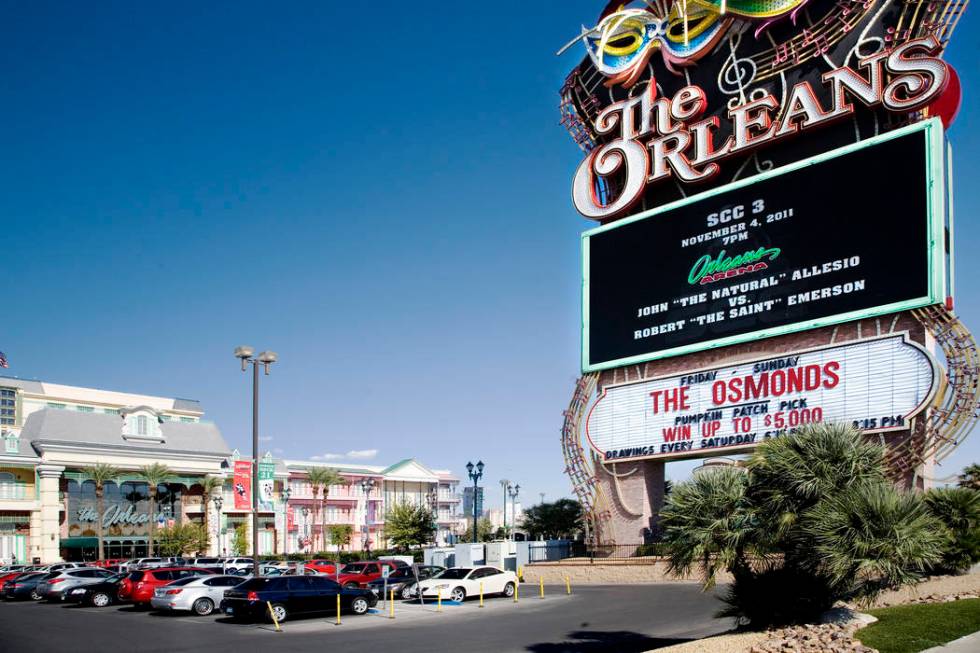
(597, 618)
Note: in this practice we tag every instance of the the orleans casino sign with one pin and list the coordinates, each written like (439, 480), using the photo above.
(759, 168)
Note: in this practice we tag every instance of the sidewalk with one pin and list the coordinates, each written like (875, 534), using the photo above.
(968, 644)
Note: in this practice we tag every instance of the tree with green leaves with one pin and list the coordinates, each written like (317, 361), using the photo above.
(561, 519)
(239, 543)
(155, 475)
(970, 478)
(408, 525)
(810, 520)
(100, 474)
(210, 486)
(182, 539)
(321, 478)
(340, 534)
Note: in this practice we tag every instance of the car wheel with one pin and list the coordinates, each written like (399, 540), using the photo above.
(203, 607)
(100, 600)
(35, 595)
(407, 592)
(458, 594)
(351, 585)
(509, 590)
(280, 612)
(359, 605)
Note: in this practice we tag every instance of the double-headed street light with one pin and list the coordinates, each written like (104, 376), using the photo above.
(265, 359)
(513, 491)
(475, 476)
(218, 501)
(367, 484)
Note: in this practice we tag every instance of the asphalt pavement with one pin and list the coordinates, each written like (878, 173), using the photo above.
(624, 619)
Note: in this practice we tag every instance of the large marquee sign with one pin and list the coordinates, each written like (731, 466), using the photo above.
(875, 384)
(851, 234)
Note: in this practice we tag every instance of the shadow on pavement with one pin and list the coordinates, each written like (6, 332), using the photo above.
(620, 641)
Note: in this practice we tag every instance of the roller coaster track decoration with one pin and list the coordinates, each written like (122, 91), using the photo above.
(580, 464)
(957, 406)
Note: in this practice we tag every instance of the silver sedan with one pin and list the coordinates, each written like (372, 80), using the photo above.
(197, 594)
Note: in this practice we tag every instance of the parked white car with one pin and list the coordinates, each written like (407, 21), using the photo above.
(197, 594)
(459, 583)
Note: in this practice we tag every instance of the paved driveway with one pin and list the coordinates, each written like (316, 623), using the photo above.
(597, 618)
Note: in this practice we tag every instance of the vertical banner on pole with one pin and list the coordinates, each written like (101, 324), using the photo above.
(243, 485)
(267, 472)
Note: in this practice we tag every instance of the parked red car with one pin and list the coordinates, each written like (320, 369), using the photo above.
(111, 562)
(139, 585)
(322, 566)
(359, 574)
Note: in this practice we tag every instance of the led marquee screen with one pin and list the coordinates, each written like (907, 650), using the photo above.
(851, 234)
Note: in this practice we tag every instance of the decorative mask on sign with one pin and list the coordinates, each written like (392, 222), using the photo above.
(682, 31)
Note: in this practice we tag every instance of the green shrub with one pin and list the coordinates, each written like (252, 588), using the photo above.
(810, 520)
(958, 510)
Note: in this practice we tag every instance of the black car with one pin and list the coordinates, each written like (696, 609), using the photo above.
(25, 585)
(293, 595)
(402, 580)
(99, 594)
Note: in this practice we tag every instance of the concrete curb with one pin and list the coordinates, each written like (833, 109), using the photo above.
(968, 644)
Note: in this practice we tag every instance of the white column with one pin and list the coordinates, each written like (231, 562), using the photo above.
(50, 536)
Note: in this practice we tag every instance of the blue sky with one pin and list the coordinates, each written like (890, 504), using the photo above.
(380, 195)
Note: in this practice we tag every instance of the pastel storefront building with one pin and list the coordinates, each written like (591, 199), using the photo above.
(361, 502)
(49, 434)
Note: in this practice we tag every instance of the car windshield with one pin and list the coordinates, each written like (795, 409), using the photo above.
(401, 572)
(183, 581)
(453, 574)
(136, 576)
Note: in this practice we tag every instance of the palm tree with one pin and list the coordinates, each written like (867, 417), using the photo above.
(101, 473)
(970, 477)
(154, 475)
(321, 478)
(208, 487)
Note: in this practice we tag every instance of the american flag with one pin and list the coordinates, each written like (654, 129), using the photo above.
(3, 360)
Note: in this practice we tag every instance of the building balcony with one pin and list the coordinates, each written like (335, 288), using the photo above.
(13, 491)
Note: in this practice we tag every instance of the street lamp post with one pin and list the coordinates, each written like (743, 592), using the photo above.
(306, 522)
(514, 491)
(367, 484)
(434, 507)
(265, 359)
(286, 493)
(475, 476)
(505, 484)
(217, 500)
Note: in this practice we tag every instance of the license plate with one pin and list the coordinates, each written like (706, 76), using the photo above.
(229, 611)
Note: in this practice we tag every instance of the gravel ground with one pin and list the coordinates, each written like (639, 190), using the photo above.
(721, 644)
(940, 586)
(743, 642)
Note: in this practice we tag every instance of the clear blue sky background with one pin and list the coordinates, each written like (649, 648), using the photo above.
(379, 192)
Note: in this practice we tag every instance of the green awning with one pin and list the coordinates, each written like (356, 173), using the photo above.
(80, 542)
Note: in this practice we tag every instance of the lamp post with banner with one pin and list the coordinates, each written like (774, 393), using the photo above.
(218, 501)
(367, 484)
(286, 493)
(513, 492)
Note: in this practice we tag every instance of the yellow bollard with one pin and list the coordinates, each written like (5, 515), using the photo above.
(338, 609)
(481, 593)
(520, 574)
(391, 602)
(273, 615)
(517, 590)
(568, 585)
(542, 586)
(438, 600)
